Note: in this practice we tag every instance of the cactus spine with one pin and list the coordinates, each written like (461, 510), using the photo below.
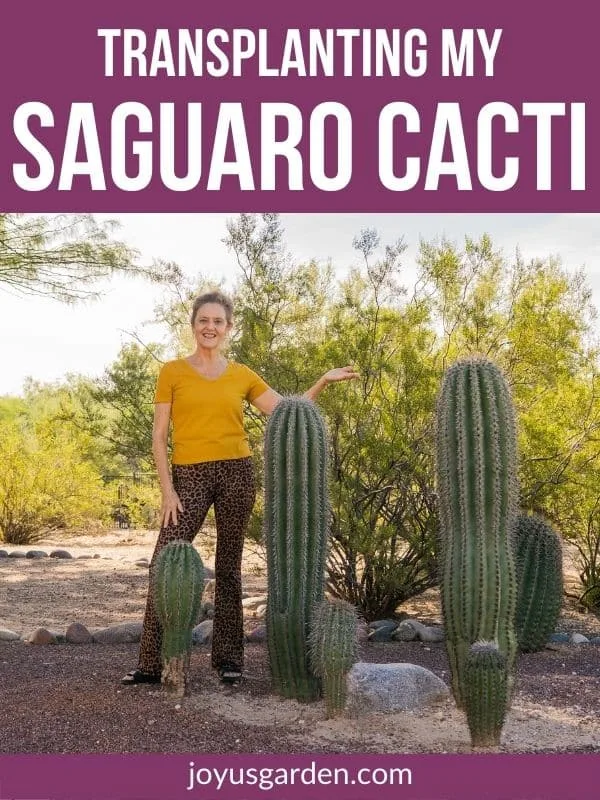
(296, 533)
(477, 487)
(178, 580)
(333, 649)
(540, 581)
(486, 693)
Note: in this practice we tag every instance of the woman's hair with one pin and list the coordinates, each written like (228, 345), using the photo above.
(213, 297)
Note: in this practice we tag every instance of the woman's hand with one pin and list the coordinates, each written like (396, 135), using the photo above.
(170, 505)
(341, 374)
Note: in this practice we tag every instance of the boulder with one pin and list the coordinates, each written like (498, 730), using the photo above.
(578, 638)
(258, 634)
(60, 554)
(36, 554)
(411, 629)
(77, 633)
(43, 636)
(383, 632)
(16, 554)
(202, 633)
(392, 687)
(118, 634)
(142, 562)
(8, 636)
(3, 553)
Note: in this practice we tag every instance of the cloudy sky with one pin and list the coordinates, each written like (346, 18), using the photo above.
(46, 340)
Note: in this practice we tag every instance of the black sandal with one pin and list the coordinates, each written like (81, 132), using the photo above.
(229, 673)
(138, 676)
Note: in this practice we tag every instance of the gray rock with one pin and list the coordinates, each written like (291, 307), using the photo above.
(118, 634)
(258, 634)
(36, 554)
(78, 634)
(595, 640)
(261, 611)
(558, 638)
(8, 636)
(96, 555)
(3, 553)
(578, 638)
(412, 629)
(383, 623)
(203, 633)
(16, 554)
(43, 636)
(392, 687)
(85, 555)
(209, 573)
(383, 633)
(406, 631)
(142, 562)
(60, 554)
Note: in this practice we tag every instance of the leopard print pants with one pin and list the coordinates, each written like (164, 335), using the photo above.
(230, 486)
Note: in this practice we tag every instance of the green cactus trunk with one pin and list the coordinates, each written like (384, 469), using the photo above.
(333, 650)
(540, 581)
(178, 580)
(296, 533)
(486, 693)
(477, 488)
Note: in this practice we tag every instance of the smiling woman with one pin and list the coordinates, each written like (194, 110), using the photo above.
(202, 396)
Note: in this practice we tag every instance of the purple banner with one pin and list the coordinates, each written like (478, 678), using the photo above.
(299, 777)
(320, 107)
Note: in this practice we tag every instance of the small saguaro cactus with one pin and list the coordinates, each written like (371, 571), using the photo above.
(296, 534)
(540, 581)
(486, 693)
(178, 580)
(477, 491)
(333, 649)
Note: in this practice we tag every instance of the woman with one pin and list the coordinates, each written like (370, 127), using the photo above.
(203, 397)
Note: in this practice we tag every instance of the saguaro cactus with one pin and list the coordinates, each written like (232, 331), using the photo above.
(333, 648)
(296, 533)
(486, 693)
(178, 581)
(540, 581)
(477, 488)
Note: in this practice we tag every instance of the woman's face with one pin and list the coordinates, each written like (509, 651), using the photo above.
(210, 326)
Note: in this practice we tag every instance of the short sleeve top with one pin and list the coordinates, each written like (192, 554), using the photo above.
(207, 413)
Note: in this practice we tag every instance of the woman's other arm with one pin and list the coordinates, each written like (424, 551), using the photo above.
(171, 503)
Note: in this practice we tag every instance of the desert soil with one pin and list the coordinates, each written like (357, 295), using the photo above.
(68, 698)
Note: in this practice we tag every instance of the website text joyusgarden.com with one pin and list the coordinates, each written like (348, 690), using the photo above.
(200, 778)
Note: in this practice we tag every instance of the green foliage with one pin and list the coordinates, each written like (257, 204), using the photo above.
(486, 693)
(296, 532)
(333, 644)
(477, 488)
(177, 584)
(540, 581)
(44, 484)
(66, 255)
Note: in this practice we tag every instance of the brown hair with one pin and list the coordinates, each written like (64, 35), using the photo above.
(213, 297)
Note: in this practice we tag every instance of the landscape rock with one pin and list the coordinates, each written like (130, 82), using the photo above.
(405, 632)
(77, 633)
(383, 632)
(118, 634)
(578, 638)
(142, 562)
(392, 687)
(258, 634)
(207, 611)
(261, 611)
(558, 638)
(16, 554)
(203, 633)
(8, 636)
(383, 623)
(36, 554)
(595, 640)
(3, 553)
(60, 554)
(84, 556)
(251, 603)
(43, 636)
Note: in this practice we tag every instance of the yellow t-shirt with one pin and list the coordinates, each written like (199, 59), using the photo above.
(207, 412)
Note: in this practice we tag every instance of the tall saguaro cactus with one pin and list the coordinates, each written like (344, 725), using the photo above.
(296, 532)
(178, 580)
(540, 580)
(477, 488)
